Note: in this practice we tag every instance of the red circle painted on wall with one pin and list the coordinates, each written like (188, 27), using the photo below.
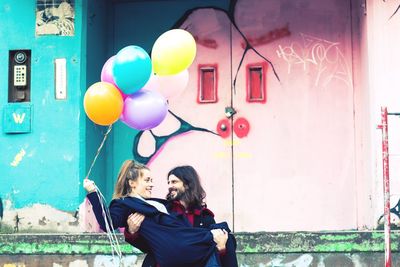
(224, 128)
(241, 127)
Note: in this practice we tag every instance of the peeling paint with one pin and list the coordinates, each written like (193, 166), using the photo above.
(244, 260)
(39, 218)
(110, 261)
(78, 263)
(302, 261)
(18, 158)
(68, 158)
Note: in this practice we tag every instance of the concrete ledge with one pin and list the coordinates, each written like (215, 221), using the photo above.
(248, 243)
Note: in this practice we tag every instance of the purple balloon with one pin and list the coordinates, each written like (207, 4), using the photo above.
(144, 110)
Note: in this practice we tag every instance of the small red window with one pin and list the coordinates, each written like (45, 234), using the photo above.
(207, 84)
(256, 85)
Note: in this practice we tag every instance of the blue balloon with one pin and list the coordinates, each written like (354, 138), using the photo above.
(131, 69)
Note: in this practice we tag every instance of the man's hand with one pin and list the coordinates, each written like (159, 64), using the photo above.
(89, 185)
(220, 238)
(134, 221)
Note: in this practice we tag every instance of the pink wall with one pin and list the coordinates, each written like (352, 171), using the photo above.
(297, 164)
(384, 79)
(311, 159)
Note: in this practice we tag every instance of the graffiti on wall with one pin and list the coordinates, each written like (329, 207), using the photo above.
(160, 141)
(248, 44)
(323, 56)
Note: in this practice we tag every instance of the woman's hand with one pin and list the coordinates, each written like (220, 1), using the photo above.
(134, 221)
(220, 238)
(89, 185)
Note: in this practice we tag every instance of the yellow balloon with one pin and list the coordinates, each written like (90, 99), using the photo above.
(103, 103)
(173, 52)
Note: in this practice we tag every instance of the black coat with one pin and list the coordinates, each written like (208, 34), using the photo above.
(203, 218)
(173, 242)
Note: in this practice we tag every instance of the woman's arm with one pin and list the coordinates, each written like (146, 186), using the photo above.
(117, 213)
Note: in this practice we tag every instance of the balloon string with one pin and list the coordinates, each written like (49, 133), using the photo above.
(98, 150)
(115, 247)
(112, 237)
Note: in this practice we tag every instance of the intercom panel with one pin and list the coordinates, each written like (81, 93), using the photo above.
(19, 77)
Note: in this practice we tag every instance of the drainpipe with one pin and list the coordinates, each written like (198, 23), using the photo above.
(386, 190)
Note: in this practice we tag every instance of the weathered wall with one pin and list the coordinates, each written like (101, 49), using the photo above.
(43, 167)
(245, 260)
(98, 42)
(299, 153)
(383, 79)
(39, 167)
(254, 250)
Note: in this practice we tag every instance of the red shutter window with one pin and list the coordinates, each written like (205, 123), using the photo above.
(256, 89)
(207, 85)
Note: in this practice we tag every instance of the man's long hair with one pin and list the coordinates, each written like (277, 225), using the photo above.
(194, 193)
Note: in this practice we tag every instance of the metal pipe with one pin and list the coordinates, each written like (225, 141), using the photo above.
(386, 183)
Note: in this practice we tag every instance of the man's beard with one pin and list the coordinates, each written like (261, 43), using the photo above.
(178, 195)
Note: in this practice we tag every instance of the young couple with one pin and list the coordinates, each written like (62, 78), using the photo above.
(177, 232)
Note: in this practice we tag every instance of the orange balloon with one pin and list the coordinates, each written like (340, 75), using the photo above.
(103, 103)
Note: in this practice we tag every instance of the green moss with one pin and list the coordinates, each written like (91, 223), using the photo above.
(247, 243)
(335, 237)
(60, 248)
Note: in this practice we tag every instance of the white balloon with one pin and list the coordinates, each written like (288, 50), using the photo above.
(152, 84)
(169, 86)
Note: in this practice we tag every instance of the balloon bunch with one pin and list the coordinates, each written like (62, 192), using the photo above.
(135, 88)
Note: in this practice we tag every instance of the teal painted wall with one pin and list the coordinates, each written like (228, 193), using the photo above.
(97, 52)
(50, 172)
(63, 142)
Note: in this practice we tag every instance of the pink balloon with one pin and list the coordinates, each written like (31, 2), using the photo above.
(169, 86)
(144, 110)
(106, 74)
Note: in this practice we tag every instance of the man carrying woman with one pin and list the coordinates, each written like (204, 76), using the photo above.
(163, 231)
(186, 199)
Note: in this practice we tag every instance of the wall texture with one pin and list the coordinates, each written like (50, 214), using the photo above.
(44, 167)
(330, 249)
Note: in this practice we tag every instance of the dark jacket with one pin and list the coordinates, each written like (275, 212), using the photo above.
(174, 242)
(198, 217)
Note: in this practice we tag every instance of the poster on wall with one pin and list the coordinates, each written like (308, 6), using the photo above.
(55, 17)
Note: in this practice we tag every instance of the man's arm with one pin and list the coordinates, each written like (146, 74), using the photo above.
(207, 219)
(220, 237)
(131, 232)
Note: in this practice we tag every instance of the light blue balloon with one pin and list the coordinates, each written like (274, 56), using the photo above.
(131, 69)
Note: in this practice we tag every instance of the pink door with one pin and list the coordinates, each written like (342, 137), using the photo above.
(294, 170)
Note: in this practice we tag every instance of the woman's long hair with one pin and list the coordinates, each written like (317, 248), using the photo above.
(130, 170)
(194, 193)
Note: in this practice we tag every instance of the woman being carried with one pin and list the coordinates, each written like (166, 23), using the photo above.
(173, 241)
